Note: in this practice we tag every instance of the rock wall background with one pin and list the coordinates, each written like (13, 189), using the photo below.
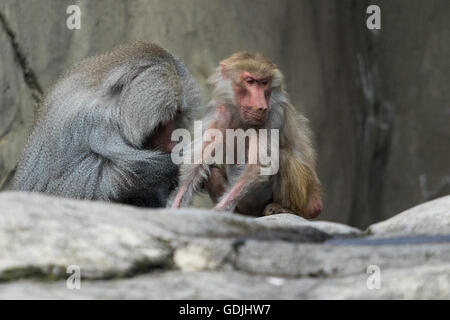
(378, 101)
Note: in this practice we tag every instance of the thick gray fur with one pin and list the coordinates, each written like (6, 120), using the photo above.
(88, 139)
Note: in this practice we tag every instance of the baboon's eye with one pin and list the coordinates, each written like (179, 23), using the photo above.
(263, 82)
(250, 80)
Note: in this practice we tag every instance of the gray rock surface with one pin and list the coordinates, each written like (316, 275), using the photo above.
(286, 219)
(131, 253)
(423, 282)
(43, 235)
(430, 218)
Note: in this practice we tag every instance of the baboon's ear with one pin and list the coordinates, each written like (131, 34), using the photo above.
(223, 71)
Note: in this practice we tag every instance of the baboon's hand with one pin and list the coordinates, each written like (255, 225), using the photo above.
(274, 208)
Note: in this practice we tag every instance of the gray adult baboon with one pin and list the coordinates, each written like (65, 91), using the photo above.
(103, 132)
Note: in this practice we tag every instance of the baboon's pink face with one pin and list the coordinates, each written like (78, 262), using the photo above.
(252, 96)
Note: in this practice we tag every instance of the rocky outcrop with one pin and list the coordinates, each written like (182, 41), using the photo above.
(430, 218)
(128, 252)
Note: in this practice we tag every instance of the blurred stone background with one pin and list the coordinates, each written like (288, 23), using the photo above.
(378, 101)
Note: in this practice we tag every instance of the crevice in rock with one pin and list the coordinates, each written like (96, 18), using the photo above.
(294, 235)
(374, 124)
(52, 273)
(146, 266)
(6, 181)
(231, 257)
(28, 74)
(43, 273)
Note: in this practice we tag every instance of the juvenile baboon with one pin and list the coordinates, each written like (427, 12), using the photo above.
(104, 131)
(249, 93)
